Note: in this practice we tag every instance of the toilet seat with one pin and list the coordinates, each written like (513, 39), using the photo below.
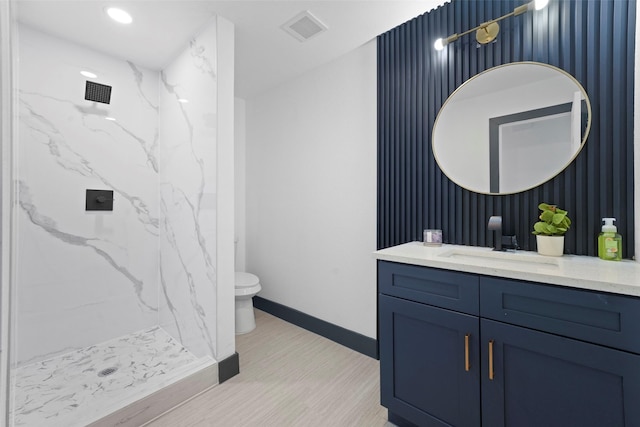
(246, 284)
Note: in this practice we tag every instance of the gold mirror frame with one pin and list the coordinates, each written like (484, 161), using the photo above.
(473, 85)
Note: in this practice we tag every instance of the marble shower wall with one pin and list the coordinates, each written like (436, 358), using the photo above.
(84, 277)
(188, 144)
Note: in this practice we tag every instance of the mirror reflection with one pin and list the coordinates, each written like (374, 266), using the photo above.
(511, 128)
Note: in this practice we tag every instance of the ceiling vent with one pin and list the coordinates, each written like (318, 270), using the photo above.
(304, 26)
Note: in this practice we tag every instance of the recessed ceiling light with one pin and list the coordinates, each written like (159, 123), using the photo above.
(88, 74)
(182, 100)
(119, 15)
(110, 119)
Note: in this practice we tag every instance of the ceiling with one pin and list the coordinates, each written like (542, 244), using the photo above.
(266, 56)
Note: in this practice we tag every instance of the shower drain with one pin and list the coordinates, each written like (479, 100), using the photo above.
(107, 371)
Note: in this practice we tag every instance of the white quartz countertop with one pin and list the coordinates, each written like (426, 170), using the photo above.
(620, 277)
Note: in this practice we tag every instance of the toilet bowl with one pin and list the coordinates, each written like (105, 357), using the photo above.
(247, 285)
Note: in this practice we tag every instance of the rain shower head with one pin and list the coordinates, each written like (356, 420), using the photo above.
(97, 92)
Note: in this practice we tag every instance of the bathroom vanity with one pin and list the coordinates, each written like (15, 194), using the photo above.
(472, 337)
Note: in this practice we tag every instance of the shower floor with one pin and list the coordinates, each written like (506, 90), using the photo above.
(68, 391)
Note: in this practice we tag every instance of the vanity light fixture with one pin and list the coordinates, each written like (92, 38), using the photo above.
(119, 15)
(183, 100)
(111, 119)
(488, 31)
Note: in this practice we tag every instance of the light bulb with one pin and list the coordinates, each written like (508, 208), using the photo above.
(541, 4)
(438, 45)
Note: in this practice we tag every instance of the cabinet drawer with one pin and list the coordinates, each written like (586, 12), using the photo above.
(440, 288)
(597, 317)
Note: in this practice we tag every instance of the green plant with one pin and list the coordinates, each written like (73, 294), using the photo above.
(553, 221)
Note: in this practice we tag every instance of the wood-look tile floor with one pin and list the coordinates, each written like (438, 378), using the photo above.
(288, 377)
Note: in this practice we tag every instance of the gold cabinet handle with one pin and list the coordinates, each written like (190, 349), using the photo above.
(467, 365)
(491, 359)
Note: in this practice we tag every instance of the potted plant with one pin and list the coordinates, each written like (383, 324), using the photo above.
(550, 230)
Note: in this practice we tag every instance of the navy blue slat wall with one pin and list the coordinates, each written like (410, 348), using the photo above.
(592, 40)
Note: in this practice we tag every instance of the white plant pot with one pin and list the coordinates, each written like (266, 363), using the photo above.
(550, 245)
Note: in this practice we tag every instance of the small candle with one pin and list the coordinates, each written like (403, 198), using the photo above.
(432, 237)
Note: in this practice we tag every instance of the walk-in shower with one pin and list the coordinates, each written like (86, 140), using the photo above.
(112, 305)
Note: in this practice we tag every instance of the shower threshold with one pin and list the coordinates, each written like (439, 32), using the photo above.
(119, 381)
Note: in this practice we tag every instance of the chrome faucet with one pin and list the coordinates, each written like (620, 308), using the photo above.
(502, 243)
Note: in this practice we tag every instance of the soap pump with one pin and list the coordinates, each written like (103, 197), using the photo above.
(609, 241)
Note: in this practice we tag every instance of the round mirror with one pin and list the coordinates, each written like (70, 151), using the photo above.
(511, 128)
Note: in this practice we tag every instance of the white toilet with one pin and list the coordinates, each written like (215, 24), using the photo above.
(247, 285)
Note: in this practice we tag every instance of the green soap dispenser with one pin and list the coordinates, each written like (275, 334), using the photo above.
(609, 241)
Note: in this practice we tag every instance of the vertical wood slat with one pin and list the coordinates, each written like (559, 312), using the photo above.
(628, 149)
(592, 40)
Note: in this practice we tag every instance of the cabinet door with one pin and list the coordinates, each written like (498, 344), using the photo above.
(540, 379)
(423, 374)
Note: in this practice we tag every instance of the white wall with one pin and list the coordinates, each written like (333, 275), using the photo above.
(311, 192)
(240, 183)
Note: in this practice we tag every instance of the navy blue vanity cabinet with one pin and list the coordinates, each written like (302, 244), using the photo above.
(429, 355)
(459, 349)
(555, 356)
(535, 379)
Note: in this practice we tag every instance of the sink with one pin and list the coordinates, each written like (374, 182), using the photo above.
(530, 259)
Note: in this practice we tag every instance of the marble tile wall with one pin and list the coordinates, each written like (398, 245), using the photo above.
(84, 277)
(87, 277)
(187, 150)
